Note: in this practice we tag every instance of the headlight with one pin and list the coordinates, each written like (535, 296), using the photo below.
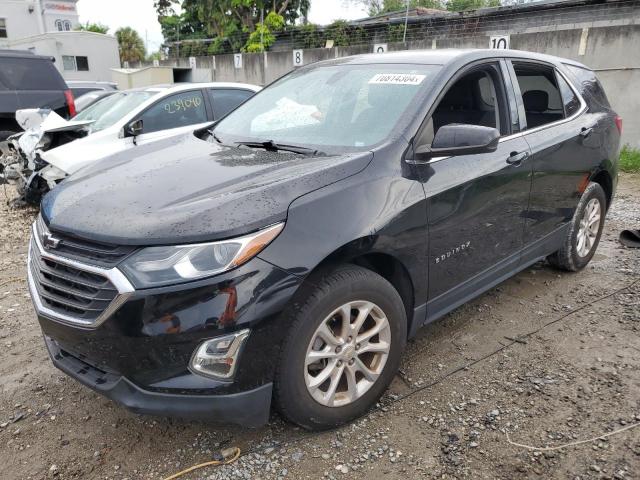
(155, 266)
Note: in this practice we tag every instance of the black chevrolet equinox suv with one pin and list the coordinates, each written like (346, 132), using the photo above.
(286, 253)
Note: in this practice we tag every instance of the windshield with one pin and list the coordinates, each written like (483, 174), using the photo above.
(341, 105)
(108, 111)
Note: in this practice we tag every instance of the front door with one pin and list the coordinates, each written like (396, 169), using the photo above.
(476, 203)
(178, 113)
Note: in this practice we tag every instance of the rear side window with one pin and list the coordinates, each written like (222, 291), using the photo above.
(179, 110)
(589, 85)
(569, 97)
(543, 103)
(30, 74)
(225, 100)
(77, 92)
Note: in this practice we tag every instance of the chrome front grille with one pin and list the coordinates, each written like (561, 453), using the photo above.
(70, 291)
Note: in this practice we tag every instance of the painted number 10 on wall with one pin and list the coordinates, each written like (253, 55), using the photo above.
(499, 42)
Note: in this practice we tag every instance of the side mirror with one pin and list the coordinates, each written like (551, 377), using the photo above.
(134, 128)
(461, 139)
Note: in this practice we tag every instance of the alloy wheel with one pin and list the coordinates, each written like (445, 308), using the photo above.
(589, 227)
(347, 353)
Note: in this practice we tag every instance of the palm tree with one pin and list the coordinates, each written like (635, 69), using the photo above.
(130, 45)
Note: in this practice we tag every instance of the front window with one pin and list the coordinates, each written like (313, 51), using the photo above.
(179, 110)
(112, 109)
(353, 106)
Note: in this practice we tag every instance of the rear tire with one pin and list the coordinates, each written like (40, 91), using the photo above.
(585, 230)
(321, 343)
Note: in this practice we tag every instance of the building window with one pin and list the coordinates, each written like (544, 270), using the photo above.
(3, 28)
(82, 63)
(67, 25)
(59, 26)
(72, 63)
(69, 62)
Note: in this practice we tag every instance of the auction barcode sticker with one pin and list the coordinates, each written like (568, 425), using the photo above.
(397, 79)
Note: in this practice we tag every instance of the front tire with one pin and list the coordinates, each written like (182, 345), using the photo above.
(343, 349)
(585, 230)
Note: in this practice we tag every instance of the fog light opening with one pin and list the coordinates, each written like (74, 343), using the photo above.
(218, 357)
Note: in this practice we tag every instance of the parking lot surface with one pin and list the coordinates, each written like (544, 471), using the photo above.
(545, 359)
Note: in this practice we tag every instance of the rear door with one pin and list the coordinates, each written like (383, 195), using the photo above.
(476, 203)
(563, 145)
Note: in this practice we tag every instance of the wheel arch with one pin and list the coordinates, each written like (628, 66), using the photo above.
(603, 178)
(390, 267)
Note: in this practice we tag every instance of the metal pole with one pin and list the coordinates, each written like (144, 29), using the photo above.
(406, 20)
(178, 43)
(262, 29)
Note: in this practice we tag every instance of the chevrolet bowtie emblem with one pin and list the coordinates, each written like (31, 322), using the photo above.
(49, 241)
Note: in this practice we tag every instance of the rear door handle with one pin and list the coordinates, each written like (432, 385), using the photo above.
(585, 132)
(517, 158)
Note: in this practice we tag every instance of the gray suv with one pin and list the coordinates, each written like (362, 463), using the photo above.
(30, 81)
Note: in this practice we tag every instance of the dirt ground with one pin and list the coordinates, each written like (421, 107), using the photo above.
(545, 359)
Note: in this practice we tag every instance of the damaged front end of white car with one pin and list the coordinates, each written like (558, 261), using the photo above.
(21, 157)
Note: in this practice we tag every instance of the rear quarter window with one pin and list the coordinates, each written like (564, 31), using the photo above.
(589, 86)
(30, 74)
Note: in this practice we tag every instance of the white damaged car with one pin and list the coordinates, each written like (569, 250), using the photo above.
(53, 148)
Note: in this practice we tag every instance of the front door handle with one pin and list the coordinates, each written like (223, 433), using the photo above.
(517, 158)
(585, 132)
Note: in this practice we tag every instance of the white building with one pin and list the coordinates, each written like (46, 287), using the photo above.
(46, 27)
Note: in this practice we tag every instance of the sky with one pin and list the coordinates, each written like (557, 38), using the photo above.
(140, 15)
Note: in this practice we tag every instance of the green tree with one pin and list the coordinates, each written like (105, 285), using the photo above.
(130, 45)
(461, 5)
(338, 31)
(225, 23)
(93, 27)
(262, 37)
(378, 7)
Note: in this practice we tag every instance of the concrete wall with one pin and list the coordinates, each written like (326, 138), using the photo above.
(134, 78)
(101, 50)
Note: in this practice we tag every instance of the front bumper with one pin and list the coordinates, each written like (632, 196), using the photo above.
(138, 351)
(249, 409)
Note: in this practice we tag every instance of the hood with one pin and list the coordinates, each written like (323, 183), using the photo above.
(183, 190)
(74, 155)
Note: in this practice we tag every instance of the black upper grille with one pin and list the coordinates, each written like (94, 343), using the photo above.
(68, 290)
(99, 254)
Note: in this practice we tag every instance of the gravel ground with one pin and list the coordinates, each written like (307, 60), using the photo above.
(545, 359)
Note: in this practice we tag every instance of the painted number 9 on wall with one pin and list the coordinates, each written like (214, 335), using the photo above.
(499, 42)
(298, 58)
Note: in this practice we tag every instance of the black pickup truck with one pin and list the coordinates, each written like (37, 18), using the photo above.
(30, 81)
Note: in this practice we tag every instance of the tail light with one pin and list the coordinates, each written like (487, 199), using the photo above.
(68, 95)
(618, 121)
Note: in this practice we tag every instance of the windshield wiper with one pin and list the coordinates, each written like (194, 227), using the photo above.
(271, 146)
